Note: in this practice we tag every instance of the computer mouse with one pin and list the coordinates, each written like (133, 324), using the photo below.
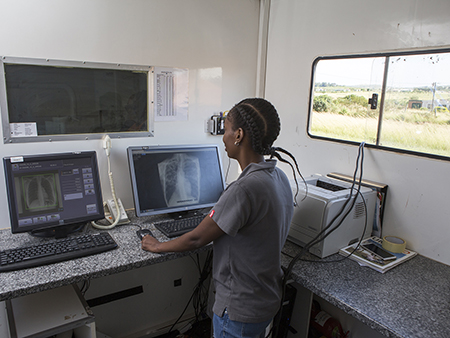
(143, 232)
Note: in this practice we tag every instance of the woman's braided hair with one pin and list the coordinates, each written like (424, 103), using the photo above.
(260, 120)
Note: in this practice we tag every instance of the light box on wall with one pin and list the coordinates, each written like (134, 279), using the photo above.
(51, 100)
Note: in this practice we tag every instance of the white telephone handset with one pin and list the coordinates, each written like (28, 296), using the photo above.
(113, 204)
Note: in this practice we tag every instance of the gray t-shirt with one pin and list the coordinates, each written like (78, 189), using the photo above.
(255, 213)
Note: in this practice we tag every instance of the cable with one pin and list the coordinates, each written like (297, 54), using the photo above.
(281, 159)
(319, 261)
(200, 300)
(356, 247)
(200, 295)
(320, 236)
(181, 315)
(85, 286)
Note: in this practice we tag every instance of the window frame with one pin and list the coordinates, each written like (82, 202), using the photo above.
(386, 55)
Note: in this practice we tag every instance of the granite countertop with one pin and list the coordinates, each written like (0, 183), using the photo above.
(411, 300)
(127, 256)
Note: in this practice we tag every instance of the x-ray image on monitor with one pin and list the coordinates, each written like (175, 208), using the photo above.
(53, 194)
(180, 179)
(39, 193)
(175, 179)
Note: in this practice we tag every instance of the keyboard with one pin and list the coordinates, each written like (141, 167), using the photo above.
(177, 227)
(55, 251)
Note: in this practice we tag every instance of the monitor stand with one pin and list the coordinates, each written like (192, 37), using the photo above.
(60, 231)
(187, 214)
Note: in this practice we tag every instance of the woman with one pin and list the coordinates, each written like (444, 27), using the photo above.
(249, 225)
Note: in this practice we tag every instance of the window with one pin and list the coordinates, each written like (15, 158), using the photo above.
(393, 101)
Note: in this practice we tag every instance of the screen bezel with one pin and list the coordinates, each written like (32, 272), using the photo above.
(13, 212)
(169, 148)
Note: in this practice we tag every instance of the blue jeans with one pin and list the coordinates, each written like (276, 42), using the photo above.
(226, 328)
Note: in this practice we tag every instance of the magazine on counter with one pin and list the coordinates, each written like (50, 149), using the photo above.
(366, 258)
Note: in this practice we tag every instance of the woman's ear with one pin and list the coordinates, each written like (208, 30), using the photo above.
(239, 135)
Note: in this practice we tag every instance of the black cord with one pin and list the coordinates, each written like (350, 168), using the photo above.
(200, 295)
(85, 286)
(200, 300)
(281, 159)
(320, 236)
(181, 315)
(356, 247)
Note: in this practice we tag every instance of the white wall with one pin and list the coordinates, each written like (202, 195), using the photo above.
(417, 204)
(215, 39)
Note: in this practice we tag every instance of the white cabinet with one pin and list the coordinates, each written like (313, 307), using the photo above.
(58, 312)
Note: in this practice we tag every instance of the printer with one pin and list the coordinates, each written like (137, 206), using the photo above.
(325, 198)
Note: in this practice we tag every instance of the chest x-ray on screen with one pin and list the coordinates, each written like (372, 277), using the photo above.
(180, 179)
(170, 179)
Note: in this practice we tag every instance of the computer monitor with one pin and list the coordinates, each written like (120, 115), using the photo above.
(175, 180)
(53, 194)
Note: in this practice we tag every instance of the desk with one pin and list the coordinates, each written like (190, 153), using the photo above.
(127, 256)
(411, 300)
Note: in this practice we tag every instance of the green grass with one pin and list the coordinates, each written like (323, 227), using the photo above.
(348, 117)
(423, 137)
(344, 127)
